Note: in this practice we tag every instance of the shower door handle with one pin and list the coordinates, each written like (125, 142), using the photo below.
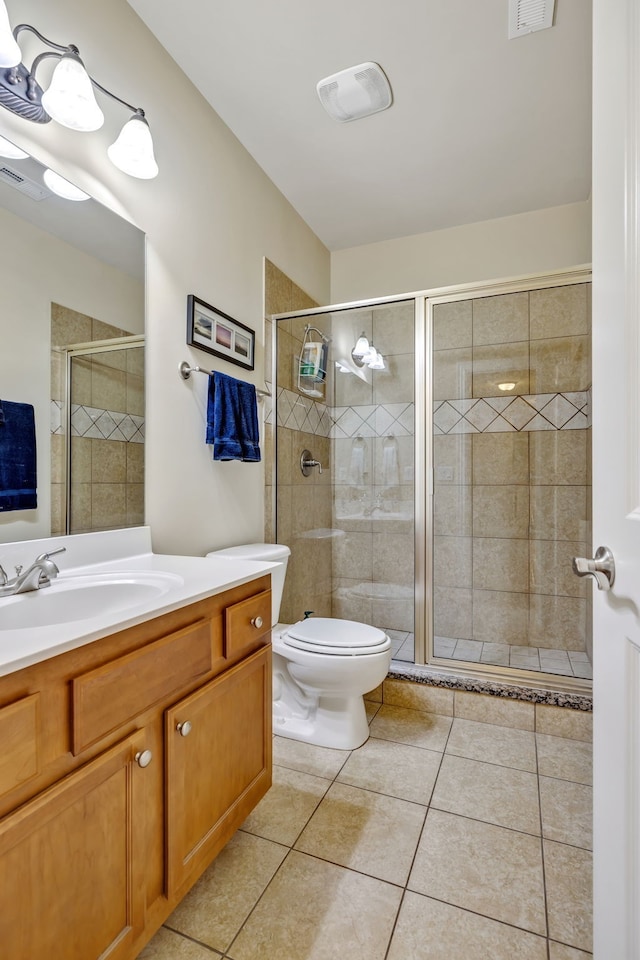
(602, 567)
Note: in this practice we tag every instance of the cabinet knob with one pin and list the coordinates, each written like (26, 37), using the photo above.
(256, 622)
(143, 758)
(184, 729)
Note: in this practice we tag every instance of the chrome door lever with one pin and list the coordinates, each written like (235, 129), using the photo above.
(602, 567)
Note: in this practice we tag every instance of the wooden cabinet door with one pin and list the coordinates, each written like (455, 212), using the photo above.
(71, 869)
(218, 771)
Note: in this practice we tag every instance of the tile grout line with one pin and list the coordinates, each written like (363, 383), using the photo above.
(284, 860)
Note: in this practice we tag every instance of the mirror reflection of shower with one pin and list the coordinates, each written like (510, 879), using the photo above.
(98, 482)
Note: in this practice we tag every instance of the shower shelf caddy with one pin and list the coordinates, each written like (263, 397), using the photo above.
(310, 366)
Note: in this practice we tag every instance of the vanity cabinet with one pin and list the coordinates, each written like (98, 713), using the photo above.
(125, 766)
(71, 863)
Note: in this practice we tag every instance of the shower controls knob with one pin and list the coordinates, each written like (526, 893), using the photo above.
(143, 758)
(256, 622)
(184, 729)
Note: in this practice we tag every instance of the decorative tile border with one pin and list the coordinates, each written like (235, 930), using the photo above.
(296, 412)
(98, 424)
(543, 411)
(373, 420)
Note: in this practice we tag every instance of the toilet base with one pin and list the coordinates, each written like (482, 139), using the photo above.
(339, 723)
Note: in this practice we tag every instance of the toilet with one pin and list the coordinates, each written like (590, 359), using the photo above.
(322, 666)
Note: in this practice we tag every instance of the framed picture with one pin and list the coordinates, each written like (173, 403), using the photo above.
(216, 332)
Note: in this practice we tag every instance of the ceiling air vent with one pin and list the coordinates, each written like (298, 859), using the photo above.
(527, 16)
(22, 183)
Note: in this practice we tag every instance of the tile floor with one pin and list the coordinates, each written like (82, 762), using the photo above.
(441, 838)
(567, 663)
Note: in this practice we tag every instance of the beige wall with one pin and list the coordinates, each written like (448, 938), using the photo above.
(508, 247)
(66, 276)
(210, 218)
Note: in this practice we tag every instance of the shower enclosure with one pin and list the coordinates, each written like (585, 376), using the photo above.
(454, 480)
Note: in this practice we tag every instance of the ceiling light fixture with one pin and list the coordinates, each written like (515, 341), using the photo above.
(70, 98)
(355, 92)
(8, 149)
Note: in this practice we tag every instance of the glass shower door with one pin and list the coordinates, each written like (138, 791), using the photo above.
(351, 529)
(511, 455)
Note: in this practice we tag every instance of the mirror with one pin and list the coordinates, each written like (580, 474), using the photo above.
(71, 274)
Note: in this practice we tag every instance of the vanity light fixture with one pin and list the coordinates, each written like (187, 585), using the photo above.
(70, 99)
(361, 350)
(509, 385)
(63, 188)
(365, 354)
(9, 150)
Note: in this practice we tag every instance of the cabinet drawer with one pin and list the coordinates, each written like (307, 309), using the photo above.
(115, 693)
(20, 740)
(246, 622)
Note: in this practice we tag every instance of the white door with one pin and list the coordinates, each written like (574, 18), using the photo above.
(616, 481)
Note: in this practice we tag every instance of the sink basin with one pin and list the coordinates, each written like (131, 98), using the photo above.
(83, 597)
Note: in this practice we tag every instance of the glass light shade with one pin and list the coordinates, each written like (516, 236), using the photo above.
(132, 152)
(375, 361)
(70, 99)
(508, 385)
(10, 53)
(63, 188)
(8, 149)
(360, 350)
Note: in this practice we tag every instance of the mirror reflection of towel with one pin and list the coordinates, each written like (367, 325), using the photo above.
(390, 465)
(17, 457)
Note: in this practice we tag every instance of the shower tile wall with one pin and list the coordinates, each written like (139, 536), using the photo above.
(511, 470)
(107, 465)
(303, 504)
(373, 467)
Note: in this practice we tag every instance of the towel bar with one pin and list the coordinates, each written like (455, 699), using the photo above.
(186, 370)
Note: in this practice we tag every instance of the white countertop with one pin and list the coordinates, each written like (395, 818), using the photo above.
(117, 556)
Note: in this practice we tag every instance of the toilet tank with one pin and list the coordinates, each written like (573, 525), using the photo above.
(266, 553)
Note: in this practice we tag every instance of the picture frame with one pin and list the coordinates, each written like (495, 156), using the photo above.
(216, 332)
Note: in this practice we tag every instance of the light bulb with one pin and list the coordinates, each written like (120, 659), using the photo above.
(69, 99)
(63, 188)
(506, 386)
(8, 149)
(132, 152)
(10, 53)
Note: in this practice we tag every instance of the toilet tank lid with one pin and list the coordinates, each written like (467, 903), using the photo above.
(254, 551)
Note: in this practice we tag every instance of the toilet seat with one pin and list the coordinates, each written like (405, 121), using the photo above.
(333, 637)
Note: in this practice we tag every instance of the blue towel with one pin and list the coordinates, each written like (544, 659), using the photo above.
(232, 419)
(17, 457)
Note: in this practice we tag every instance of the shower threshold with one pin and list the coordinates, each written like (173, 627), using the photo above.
(566, 663)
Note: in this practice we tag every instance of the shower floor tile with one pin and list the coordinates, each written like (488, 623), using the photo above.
(566, 663)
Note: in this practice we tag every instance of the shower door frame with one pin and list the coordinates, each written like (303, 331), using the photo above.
(71, 353)
(424, 302)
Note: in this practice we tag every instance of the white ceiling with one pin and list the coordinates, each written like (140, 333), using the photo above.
(481, 126)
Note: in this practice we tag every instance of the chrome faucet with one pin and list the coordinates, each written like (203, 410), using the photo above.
(39, 574)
